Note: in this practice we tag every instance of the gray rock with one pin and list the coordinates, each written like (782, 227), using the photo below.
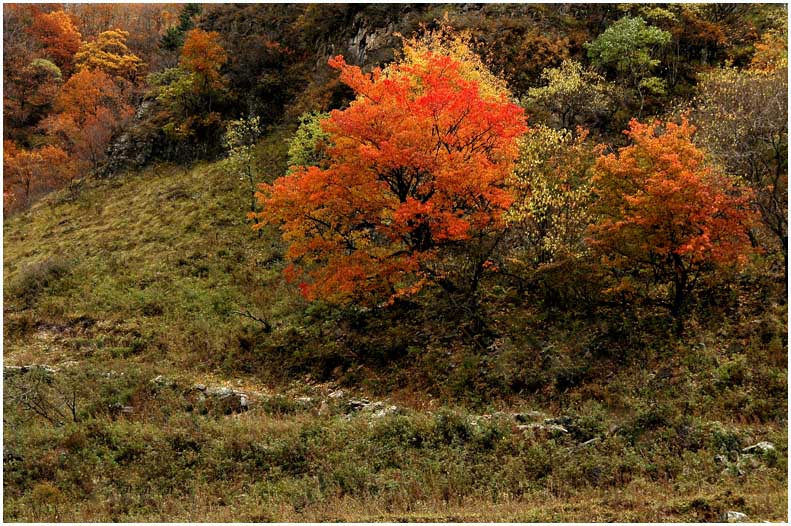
(760, 447)
(163, 381)
(528, 416)
(354, 405)
(199, 387)
(9, 455)
(17, 370)
(134, 147)
(376, 406)
(336, 394)
(118, 409)
(542, 427)
(734, 516)
(305, 401)
(389, 410)
(219, 392)
(225, 400)
(564, 421)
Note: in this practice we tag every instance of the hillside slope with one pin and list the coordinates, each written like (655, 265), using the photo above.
(152, 263)
(181, 408)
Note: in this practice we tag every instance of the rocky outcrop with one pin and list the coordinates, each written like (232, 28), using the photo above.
(372, 45)
(219, 400)
(135, 146)
(760, 447)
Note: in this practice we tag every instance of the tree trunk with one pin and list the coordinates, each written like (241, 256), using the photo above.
(678, 302)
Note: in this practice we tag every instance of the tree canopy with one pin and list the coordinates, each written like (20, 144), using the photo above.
(417, 162)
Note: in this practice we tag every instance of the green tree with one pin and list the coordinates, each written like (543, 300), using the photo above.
(173, 38)
(240, 140)
(628, 46)
(306, 148)
(190, 91)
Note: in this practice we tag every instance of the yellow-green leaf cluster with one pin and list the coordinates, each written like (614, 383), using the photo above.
(457, 45)
(552, 181)
(571, 92)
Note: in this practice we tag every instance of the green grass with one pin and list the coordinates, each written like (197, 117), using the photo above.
(157, 264)
(145, 275)
(167, 462)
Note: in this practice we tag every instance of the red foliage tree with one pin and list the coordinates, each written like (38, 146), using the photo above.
(665, 213)
(418, 164)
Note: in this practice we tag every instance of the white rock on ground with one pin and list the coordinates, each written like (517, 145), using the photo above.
(734, 516)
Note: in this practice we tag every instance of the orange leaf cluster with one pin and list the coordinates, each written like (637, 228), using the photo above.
(89, 108)
(58, 37)
(662, 207)
(203, 54)
(418, 162)
(29, 173)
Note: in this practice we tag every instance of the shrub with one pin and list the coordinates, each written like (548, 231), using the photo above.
(35, 278)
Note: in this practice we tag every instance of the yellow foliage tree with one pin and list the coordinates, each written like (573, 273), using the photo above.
(109, 53)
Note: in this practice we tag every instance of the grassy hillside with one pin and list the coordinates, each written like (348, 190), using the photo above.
(150, 267)
(134, 293)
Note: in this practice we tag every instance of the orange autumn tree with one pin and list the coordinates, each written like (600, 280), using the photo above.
(59, 38)
(664, 215)
(31, 173)
(89, 109)
(204, 56)
(415, 172)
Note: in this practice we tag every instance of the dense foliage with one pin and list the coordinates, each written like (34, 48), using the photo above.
(664, 212)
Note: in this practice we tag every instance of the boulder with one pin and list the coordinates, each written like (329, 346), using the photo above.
(589, 442)
(163, 381)
(528, 416)
(335, 395)
(760, 447)
(18, 370)
(734, 516)
(564, 421)
(547, 428)
(117, 409)
(223, 400)
(384, 411)
(354, 405)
